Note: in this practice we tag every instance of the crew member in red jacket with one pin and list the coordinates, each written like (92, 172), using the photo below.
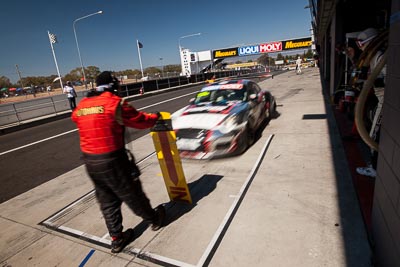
(101, 118)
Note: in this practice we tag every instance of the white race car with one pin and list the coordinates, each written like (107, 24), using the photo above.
(222, 119)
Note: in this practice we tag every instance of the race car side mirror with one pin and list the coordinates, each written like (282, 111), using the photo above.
(191, 101)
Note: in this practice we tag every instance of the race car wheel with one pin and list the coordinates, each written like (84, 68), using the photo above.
(272, 111)
(268, 110)
(250, 136)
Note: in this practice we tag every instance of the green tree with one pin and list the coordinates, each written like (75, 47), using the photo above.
(279, 56)
(309, 54)
(91, 73)
(172, 68)
(136, 73)
(5, 82)
(132, 73)
(74, 75)
(36, 80)
(263, 60)
(129, 72)
(151, 71)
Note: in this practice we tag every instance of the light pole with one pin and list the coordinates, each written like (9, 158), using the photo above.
(77, 46)
(190, 35)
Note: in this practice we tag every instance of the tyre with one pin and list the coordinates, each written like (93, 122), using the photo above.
(272, 111)
(267, 110)
(250, 136)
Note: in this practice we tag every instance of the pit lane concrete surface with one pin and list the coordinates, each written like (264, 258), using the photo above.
(287, 201)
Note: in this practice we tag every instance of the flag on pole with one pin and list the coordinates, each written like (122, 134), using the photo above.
(139, 45)
(53, 38)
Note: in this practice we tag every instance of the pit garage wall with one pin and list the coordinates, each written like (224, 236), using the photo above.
(386, 207)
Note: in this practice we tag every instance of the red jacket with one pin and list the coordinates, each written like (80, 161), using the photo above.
(101, 120)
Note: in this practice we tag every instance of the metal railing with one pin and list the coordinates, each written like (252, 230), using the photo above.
(18, 112)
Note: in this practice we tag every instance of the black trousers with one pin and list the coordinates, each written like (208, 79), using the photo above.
(111, 175)
(72, 102)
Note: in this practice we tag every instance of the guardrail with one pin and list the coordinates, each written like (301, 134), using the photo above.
(19, 112)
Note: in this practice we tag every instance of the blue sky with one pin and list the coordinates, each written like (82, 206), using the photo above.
(108, 41)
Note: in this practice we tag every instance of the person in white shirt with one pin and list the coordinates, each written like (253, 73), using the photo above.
(71, 94)
(298, 65)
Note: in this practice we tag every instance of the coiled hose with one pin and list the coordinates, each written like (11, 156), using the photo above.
(369, 83)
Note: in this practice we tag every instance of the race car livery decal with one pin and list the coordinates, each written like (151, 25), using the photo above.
(223, 86)
(208, 109)
(205, 93)
(198, 120)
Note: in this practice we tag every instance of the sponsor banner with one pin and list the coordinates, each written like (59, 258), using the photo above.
(249, 50)
(231, 52)
(297, 43)
(271, 47)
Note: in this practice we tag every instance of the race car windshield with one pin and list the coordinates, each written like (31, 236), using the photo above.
(219, 96)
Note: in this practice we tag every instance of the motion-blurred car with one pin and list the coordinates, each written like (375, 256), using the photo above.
(222, 119)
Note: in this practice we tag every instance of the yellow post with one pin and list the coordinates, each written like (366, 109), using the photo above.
(164, 139)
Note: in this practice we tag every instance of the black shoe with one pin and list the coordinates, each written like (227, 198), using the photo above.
(120, 243)
(158, 221)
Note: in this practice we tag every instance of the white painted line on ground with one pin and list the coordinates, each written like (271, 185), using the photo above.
(37, 142)
(85, 235)
(106, 236)
(212, 246)
(165, 101)
(163, 261)
(144, 255)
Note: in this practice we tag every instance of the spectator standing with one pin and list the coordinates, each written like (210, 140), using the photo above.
(71, 94)
(298, 65)
(33, 90)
